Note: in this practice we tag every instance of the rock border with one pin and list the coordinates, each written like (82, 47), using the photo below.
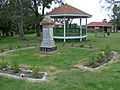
(81, 66)
(24, 78)
(18, 77)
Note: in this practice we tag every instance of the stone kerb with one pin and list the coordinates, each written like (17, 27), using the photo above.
(81, 66)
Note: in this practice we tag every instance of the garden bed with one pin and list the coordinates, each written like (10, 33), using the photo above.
(23, 74)
(89, 67)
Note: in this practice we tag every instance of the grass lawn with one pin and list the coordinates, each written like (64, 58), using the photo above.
(61, 64)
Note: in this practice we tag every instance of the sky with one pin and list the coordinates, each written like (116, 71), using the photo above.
(91, 7)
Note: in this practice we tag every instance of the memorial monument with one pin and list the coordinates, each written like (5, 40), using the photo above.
(48, 44)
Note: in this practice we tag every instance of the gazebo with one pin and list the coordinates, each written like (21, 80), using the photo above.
(64, 12)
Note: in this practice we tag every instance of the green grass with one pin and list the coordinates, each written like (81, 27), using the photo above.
(8, 42)
(68, 78)
(66, 57)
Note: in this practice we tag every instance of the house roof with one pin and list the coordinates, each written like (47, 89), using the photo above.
(68, 11)
(95, 24)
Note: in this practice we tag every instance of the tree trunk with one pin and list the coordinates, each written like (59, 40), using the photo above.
(43, 10)
(21, 31)
(37, 26)
(38, 33)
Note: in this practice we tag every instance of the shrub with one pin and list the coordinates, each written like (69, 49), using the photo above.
(3, 63)
(63, 44)
(10, 47)
(18, 47)
(35, 72)
(100, 57)
(92, 61)
(81, 45)
(107, 52)
(2, 50)
(15, 67)
(90, 45)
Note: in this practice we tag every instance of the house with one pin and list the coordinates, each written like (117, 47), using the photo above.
(100, 27)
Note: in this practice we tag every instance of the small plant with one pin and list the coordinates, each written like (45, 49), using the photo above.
(35, 72)
(72, 44)
(18, 47)
(27, 45)
(3, 63)
(10, 47)
(92, 61)
(100, 57)
(15, 67)
(2, 50)
(107, 52)
(81, 45)
(63, 44)
(90, 45)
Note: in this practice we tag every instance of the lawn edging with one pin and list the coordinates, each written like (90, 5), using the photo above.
(8, 51)
(24, 78)
(81, 66)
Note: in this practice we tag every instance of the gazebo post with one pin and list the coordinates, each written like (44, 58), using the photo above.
(64, 28)
(80, 29)
(86, 28)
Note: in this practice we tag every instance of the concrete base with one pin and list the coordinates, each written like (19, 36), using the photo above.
(48, 49)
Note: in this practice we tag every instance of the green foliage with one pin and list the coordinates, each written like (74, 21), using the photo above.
(63, 44)
(82, 45)
(100, 57)
(10, 47)
(92, 61)
(96, 59)
(107, 52)
(3, 63)
(2, 50)
(15, 67)
(90, 45)
(35, 72)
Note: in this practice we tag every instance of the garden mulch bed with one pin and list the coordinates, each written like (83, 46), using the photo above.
(23, 74)
(84, 66)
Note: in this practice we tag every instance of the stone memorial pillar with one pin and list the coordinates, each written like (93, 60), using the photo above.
(48, 44)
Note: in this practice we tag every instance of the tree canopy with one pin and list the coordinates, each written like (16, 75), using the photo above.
(114, 6)
(22, 16)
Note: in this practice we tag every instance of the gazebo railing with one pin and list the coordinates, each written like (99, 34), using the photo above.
(69, 32)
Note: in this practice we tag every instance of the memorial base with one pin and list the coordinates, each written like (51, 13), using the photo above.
(48, 49)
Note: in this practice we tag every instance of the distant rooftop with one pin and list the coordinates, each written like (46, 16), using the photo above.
(68, 11)
(100, 24)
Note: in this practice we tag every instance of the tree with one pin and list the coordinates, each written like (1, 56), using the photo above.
(14, 12)
(113, 5)
(116, 17)
(35, 4)
(21, 32)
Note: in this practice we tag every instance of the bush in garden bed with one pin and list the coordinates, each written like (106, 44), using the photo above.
(15, 70)
(2, 50)
(82, 45)
(3, 63)
(100, 58)
(15, 67)
(35, 72)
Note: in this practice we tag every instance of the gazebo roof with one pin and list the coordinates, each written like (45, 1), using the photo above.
(103, 24)
(68, 11)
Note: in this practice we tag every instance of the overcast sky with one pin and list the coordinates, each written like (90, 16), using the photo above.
(90, 6)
